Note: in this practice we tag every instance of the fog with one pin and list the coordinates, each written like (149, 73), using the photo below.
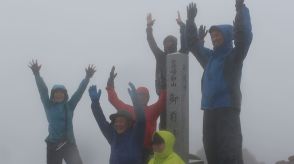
(65, 36)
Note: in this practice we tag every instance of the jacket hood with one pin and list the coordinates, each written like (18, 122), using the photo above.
(169, 141)
(227, 33)
(58, 87)
(143, 90)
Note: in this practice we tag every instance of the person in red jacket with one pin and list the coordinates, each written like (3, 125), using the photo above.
(152, 112)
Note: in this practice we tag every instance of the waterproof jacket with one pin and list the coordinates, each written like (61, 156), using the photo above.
(160, 55)
(126, 148)
(168, 156)
(152, 112)
(222, 65)
(55, 112)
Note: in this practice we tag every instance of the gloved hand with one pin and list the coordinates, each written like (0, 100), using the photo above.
(134, 96)
(35, 67)
(112, 75)
(202, 32)
(90, 71)
(191, 11)
(94, 95)
(239, 4)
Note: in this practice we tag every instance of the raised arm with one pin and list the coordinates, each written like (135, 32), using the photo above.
(83, 85)
(42, 88)
(139, 126)
(184, 47)
(103, 124)
(158, 107)
(112, 96)
(150, 38)
(242, 31)
(195, 42)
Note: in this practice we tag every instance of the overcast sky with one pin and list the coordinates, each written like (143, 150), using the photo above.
(67, 35)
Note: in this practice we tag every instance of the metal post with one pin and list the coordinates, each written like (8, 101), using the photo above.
(178, 101)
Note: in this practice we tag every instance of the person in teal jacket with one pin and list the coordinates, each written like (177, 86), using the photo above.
(59, 111)
(163, 148)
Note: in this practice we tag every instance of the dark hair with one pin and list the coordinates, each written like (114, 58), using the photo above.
(157, 139)
(170, 38)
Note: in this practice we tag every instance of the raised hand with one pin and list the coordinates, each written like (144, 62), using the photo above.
(191, 11)
(90, 71)
(150, 21)
(35, 67)
(239, 4)
(179, 19)
(134, 95)
(202, 32)
(111, 78)
(94, 95)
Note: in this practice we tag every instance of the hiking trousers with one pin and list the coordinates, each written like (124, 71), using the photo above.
(222, 136)
(69, 153)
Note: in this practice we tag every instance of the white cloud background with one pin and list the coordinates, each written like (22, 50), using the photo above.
(65, 36)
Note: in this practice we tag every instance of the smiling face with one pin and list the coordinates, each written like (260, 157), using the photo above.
(217, 38)
(158, 148)
(121, 124)
(59, 96)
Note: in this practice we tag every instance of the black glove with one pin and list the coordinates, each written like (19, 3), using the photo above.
(239, 4)
(112, 75)
(191, 11)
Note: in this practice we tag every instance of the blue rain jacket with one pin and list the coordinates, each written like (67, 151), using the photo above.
(223, 65)
(126, 148)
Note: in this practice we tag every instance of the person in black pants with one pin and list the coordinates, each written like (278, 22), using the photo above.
(59, 110)
(220, 85)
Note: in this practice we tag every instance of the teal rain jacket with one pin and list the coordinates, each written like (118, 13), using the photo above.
(55, 112)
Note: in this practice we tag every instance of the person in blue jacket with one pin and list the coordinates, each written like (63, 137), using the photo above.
(221, 94)
(59, 111)
(126, 138)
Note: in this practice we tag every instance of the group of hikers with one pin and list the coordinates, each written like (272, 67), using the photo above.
(131, 132)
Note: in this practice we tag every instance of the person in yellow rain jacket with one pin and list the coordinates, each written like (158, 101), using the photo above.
(163, 148)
